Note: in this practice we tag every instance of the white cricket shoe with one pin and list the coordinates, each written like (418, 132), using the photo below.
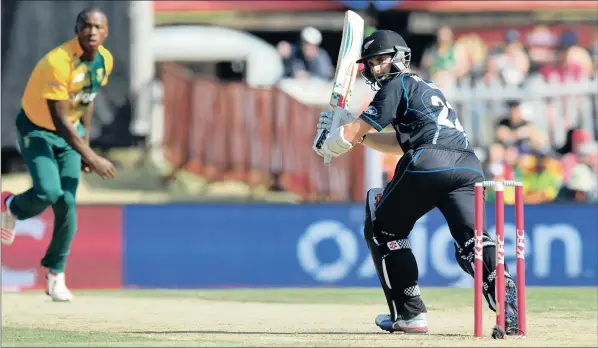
(56, 288)
(415, 325)
(7, 231)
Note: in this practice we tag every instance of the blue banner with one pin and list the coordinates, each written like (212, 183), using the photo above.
(266, 245)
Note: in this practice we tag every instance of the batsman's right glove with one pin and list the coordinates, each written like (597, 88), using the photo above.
(323, 127)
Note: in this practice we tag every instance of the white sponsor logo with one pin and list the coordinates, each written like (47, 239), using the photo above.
(434, 250)
(478, 249)
(500, 250)
(84, 97)
(520, 244)
(344, 239)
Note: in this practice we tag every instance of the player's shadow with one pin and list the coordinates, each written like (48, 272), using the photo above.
(225, 332)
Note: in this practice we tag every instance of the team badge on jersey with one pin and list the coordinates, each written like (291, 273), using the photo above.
(371, 110)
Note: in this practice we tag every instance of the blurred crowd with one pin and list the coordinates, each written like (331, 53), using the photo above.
(541, 53)
(519, 151)
(566, 174)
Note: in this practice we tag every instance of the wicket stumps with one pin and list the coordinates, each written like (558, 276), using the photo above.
(498, 187)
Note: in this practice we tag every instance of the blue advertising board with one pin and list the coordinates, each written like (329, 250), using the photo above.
(380, 5)
(266, 245)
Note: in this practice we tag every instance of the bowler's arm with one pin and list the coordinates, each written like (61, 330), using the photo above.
(55, 92)
(64, 128)
(86, 119)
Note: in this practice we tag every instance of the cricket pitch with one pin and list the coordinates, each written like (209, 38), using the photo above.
(281, 317)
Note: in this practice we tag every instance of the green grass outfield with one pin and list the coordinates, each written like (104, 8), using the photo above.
(280, 317)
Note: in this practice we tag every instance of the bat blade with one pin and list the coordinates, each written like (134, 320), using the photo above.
(346, 67)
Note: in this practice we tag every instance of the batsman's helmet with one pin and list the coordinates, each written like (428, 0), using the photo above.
(384, 42)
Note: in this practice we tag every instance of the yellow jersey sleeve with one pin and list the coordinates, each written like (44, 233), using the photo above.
(109, 62)
(55, 78)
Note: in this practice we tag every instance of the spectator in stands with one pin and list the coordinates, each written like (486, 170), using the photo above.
(475, 52)
(492, 74)
(307, 60)
(575, 54)
(541, 44)
(541, 176)
(580, 149)
(515, 130)
(568, 61)
(444, 61)
(572, 63)
(568, 146)
(580, 187)
(495, 162)
(286, 52)
(511, 163)
(513, 61)
(500, 165)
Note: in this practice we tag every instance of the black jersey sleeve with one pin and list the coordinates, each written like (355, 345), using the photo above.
(383, 109)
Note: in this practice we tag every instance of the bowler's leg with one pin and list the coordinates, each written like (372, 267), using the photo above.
(38, 154)
(43, 168)
(65, 225)
(65, 215)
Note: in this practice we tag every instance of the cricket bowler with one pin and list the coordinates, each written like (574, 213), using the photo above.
(438, 169)
(53, 128)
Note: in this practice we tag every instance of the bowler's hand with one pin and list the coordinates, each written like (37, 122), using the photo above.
(103, 168)
(85, 167)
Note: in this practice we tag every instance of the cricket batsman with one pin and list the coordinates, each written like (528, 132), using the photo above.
(53, 128)
(438, 169)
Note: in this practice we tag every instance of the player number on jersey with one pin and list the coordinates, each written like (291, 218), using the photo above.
(444, 113)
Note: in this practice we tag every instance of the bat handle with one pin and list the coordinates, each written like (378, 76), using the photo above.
(335, 124)
(327, 160)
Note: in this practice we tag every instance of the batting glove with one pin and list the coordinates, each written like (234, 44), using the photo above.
(326, 116)
(323, 127)
(336, 144)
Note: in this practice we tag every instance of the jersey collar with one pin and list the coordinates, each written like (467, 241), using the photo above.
(77, 46)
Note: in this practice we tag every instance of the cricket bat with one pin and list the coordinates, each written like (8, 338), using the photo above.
(346, 68)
